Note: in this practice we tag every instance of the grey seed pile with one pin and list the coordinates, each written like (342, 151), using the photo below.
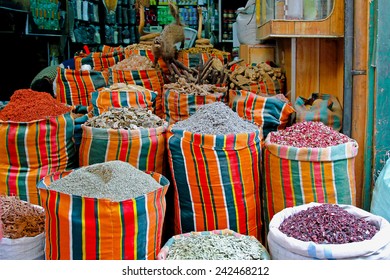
(216, 119)
(216, 247)
(113, 180)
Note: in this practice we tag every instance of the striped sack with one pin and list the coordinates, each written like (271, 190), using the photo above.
(142, 148)
(81, 228)
(149, 54)
(164, 252)
(31, 150)
(139, 97)
(180, 106)
(216, 181)
(74, 87)
(321, 107)
(108, 49)
(100, 61)
(150, 79)
(193, 60)
(267, 87)
(269, 113)
(295, 176)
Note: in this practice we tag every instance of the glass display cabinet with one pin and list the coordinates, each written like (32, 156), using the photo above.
(300, 18)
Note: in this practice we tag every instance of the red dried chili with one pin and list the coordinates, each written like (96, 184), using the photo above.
(27, 105)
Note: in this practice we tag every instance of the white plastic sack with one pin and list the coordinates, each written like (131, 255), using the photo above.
(25, 248)
(246, 24)
(380, 202)
(282, 247)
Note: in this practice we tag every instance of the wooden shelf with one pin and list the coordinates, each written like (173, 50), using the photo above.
(330, 27)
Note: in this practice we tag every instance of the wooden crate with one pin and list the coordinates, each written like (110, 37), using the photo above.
(257, 53)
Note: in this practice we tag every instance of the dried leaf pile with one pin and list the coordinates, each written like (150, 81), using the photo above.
(183, 87)
(20, 218)
(126, 118)
(123, 87)
(246, 75)
(134, 62)
(139, 46)
(208, 50)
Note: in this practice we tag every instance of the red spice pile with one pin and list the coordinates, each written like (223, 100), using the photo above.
(28, 105)
(309, 134)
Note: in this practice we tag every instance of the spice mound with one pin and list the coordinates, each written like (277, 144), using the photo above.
(134, 62)
(28, 105)
(20, 218)
(126, 118)
(216, 118)
(327, 224)
(309, 134)
(216, 247)
(114, 180)
(183, 87)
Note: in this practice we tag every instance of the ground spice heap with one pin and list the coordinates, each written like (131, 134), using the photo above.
(28, 105)
(114, 180)
(217, 119)
(20, 218)
(327, 224)
(215, 247)
(309, 134)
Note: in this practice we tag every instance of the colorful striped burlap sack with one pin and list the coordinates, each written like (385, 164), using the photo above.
(193, 58)
(31, 150)
(100, 61)
(100, 229)
(269, 113)
(320, 107)
(267, 87)
(108, 49)
(138, 97)
(295, 176)
(74, 87)
(151, 79)
(149, 54)
(142, 148)
(216, 181)
(180, 106)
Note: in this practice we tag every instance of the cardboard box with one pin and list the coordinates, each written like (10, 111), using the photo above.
(257, 53)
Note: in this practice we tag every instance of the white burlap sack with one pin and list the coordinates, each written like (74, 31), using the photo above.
(25, 248)
(282, 247)
(246, 24)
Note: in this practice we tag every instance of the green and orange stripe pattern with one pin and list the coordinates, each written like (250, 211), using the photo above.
(150, 79)
(143, 148)
(180, 106)
(216, 181)
(31, 150)
(270, 114)
(74, 87)
(102, 100)
(100, 61)
(82, 228)
(296, 176)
